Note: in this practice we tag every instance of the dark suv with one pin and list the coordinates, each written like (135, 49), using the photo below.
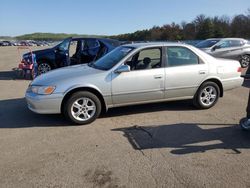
(72, 51)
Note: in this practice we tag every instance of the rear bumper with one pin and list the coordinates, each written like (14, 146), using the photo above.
(44, 104)
(232, 83)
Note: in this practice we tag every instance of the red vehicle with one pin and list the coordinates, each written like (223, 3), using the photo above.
(26, 67)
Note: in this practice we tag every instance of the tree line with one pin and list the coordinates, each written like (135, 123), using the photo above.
(50, 36)
(202, 27)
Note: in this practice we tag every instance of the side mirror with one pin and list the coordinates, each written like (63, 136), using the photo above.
(123, 68)
(215, 47)
(58, 50)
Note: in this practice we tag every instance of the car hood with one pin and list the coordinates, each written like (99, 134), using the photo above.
(39, 52)
(66, 74)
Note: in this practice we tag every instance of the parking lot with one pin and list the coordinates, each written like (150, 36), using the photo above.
(156, 145)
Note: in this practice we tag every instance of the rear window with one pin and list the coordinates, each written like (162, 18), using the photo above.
(236, 43)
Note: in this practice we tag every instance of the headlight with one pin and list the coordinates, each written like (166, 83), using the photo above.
(42, 90)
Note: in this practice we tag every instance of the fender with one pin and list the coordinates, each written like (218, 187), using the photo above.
(105, 100)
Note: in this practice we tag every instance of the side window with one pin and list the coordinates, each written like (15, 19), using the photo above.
(91, 43)
(146, 59)
(180, 56)
(236, 43)
(224, 44)
(64, 46)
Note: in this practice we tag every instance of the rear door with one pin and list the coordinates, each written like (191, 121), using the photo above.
(90, 50)
(184, 72)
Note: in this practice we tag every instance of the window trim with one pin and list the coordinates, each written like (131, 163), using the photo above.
(148, 48)
(200, 61)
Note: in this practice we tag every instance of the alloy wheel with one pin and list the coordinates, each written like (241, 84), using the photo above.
(245, 59)
(83, 109)
(43, 68)
(208, 95)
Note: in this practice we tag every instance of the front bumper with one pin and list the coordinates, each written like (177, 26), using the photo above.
(44, 104)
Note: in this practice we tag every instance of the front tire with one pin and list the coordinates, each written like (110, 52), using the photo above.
(43, 67)
(82, 108)
(207, 95)
(244, 61)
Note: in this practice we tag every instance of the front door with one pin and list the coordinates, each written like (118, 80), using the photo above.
(229, 49)
(62, 53)
(145, 81)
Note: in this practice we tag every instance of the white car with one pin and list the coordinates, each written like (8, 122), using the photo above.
(134, 74)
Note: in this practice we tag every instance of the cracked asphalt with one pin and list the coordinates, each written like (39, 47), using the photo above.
(156, 145)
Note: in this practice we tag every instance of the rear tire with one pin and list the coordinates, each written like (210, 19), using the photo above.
(243, 125)
(82, 107)
(207, 95)
(244, 61)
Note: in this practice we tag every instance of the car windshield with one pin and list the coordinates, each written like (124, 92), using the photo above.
(112, 58)
(207, 43)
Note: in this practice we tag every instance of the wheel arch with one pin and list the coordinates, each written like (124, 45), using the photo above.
(49, 61)
(217, 81)
(247, 53)
(89, 89)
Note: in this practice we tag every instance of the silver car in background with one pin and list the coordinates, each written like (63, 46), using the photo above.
(229, 48)
(134, 74)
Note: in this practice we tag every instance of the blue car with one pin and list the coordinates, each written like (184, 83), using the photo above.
(72, 51)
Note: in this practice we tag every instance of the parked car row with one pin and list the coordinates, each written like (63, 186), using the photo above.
(25, 43)
(129, 74)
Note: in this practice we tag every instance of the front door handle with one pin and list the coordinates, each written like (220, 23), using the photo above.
(159, 76)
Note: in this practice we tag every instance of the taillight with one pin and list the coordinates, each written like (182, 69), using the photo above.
(239, 69)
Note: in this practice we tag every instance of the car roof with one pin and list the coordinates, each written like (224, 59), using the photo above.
(155, 44)
(98, 38)
(113, 42)
(226, 39)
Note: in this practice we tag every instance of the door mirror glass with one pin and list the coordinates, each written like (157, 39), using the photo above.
(123, 68)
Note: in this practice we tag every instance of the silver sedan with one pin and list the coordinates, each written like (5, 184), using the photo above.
(230, 48)
(134, 74)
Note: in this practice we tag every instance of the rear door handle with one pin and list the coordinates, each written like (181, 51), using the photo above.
(202, 72)
(159, 76)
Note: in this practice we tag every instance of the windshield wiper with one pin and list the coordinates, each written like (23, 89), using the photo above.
(91, 64)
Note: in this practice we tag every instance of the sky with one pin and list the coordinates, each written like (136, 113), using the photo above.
(106, 17)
